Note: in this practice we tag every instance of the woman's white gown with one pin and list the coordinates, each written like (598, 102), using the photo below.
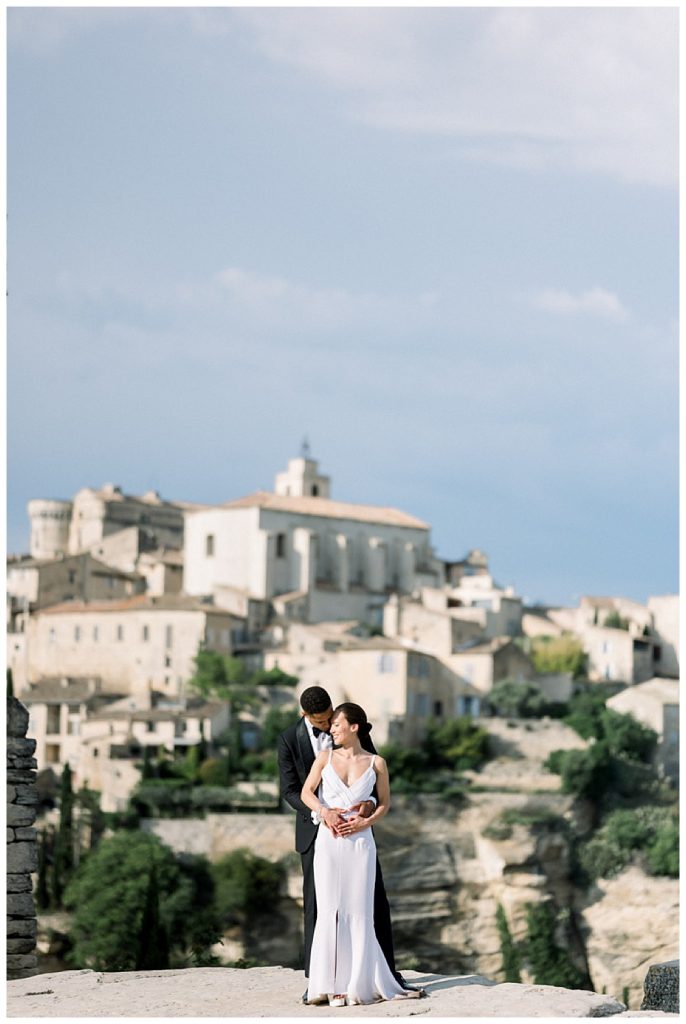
(346, 957)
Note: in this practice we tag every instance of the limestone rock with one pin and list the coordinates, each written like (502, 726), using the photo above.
(18, 883)
(21, 927)
(276, 992)
(23, 793)
(630, 921)
(25, 834)
(20, 746)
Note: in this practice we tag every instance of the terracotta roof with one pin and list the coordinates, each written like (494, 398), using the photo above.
(325, 507)
(205, 709)
(75, 691)
(140, 602)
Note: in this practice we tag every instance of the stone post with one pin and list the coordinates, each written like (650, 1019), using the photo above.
(22, 856)
(661, 987)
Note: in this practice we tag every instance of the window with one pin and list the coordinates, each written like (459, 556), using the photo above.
(53, 725)
(120, 632)
(72, 576)
(315, 490)
(96, 634)
(150, 726)
(51, 635)
(168, 636)
(52, 753)
(422, 704)
(209, 545)
(73, 727)
(438, 708)
(657, 652)
(167, 661)
(146, 634)
(385, 663)
(96, 752)
(77, 633)
(210, 636)
(281, 545)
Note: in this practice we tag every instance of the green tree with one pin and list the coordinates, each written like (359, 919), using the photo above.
(153, 944)
(148, 770)
(613, 620)
(63, 853)
(275, 721)
(551, 655)
(511, 960)
(109, 893)
(550, 965)
(585, 713)
(514, 699)
(456, 744)
(10, 683)
(246, 885)
(625, 736)
(273, 677)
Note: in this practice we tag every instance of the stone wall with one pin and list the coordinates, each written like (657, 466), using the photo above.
(269, 835)
(22, 857)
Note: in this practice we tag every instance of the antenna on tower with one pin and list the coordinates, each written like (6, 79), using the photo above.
(305, 448)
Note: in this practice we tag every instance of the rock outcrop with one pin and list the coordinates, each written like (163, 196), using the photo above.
(22, 857)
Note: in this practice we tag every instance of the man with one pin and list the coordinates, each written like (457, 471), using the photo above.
(297, 748)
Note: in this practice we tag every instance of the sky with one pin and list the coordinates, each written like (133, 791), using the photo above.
(441, 243)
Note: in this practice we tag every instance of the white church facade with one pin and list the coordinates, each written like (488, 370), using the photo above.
(311, 557)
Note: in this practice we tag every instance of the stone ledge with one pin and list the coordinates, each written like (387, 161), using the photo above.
(276, 992)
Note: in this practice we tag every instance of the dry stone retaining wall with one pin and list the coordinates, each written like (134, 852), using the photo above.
(22, 856)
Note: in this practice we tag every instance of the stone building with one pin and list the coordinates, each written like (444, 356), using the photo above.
(133, 645)
(322, 559)
(68, 527)
(655, 703)
(34, 583)
(400, 687)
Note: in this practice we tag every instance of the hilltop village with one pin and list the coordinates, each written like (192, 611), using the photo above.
(119, 593)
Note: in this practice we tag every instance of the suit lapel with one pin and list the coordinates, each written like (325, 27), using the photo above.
(304, 745)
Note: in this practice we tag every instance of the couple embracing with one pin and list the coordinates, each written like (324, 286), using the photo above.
(338, 785)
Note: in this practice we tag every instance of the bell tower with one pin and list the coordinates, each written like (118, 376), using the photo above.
(302, 478)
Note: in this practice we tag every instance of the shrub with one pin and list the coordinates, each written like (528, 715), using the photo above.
(663, 853)
(551, 655)
(517, 700)
(456, 744)
(550, 965)
(585, 711)
(624, 735)
(214, 772)
(652, 830)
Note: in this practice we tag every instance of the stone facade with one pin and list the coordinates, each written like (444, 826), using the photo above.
(22, 855)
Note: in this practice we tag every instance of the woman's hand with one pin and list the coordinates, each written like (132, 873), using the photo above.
(351, 826)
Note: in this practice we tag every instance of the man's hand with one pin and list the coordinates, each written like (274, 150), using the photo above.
(332, 818)
(365, 809)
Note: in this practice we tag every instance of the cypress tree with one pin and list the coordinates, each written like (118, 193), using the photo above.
(63, 857)
(147, 771)
(10, 683)
(511, 960)
(42, 891)
(153, 945)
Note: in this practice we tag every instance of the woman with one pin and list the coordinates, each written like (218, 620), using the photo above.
(347, 965)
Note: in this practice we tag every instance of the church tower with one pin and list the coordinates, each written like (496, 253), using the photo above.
(302, 478)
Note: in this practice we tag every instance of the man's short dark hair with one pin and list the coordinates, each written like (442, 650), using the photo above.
(314, 700)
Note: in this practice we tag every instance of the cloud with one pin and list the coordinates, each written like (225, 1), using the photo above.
(585, 90)
(594, 301)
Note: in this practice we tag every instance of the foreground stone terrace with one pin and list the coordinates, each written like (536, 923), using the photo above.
(276, 991)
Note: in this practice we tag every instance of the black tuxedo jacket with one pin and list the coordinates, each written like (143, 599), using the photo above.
(296, 757)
